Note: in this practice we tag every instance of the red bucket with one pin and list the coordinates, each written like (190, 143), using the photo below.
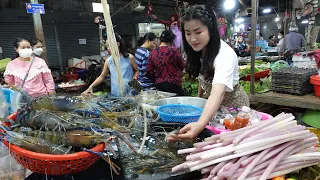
(69, 77)
(315, 80)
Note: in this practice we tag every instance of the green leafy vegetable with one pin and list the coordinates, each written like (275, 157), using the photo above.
(308, 173)
(258, 68)
(259, 86)
(189, 86)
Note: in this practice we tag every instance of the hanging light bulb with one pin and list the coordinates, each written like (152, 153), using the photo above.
(239, 20)
(229, 4)
(277, 19)
(267, 10)
(148, 28)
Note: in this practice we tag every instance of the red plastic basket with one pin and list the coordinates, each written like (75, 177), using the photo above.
(257, 75)
(54, 164)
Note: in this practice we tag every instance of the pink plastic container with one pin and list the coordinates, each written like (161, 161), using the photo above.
(215, 130)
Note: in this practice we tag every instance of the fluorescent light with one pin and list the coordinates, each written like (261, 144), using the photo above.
(239, 20)
(267, 10)
(305, 21)
(97, 7)
(277, 19)
(229, 4)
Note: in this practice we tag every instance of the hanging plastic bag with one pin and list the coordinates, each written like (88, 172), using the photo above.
(178, 39)
(4, 107)
(18, 100)
(9, 167)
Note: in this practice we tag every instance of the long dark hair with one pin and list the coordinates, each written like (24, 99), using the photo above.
(17, 42)
(150, 36)
(207, 16)
(167, 36)
(122, 47)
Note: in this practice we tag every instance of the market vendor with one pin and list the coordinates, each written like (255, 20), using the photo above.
(241, 47)
(29, 73)
(214, 63)
(128, 65)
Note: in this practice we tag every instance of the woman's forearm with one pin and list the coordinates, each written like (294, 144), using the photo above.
(136, 74)
(200, 91)
(211, 107)
(98, 81)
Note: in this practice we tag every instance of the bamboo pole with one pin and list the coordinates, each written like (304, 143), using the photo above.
(113, 44)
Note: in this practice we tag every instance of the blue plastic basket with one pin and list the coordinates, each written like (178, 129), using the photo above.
(179, 113)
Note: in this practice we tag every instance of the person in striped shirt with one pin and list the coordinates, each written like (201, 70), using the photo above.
(148, 43)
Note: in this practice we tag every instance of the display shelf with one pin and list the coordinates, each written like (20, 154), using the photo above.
(309, 101)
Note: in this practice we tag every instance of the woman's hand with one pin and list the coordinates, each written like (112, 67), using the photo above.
(188, 133)
(87, 92)
(52, 93)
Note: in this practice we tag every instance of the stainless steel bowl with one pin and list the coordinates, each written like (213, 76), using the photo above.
(195, 101)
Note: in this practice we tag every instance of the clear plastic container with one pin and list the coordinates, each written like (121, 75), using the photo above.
(240, 121)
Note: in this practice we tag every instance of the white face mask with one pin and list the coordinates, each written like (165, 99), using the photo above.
(279, 37)
(25, 53)
(38, 51)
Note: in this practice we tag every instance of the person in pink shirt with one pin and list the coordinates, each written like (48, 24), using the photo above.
(38, 80)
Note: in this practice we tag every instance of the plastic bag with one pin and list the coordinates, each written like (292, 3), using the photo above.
(4, 107)
(178, 39)
(18, 100)
(9, 167)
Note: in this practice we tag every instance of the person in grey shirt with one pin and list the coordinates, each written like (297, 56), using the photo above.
(294, 40)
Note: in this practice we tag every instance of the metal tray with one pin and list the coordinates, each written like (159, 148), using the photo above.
(195, 101)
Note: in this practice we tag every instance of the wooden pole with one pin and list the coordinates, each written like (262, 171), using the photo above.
(253, 42)
(56, 37)
(284, 36)
(38, 28)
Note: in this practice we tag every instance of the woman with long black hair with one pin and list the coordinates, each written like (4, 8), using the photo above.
(128, 67)
(214, 63)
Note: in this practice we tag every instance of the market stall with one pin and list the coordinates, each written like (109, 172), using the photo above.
(97, 136)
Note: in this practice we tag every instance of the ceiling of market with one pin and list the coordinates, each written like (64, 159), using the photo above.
(278, 5)
(85, 5)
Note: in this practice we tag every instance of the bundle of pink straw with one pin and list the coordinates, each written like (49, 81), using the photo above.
(258, 152)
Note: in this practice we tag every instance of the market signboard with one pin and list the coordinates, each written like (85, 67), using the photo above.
(35, 8)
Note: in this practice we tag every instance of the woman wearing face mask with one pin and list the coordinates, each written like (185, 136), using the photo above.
(37, 47)
(147, 43)
(214, 63)
(29, 73)
(128, 67)
(281, 40)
